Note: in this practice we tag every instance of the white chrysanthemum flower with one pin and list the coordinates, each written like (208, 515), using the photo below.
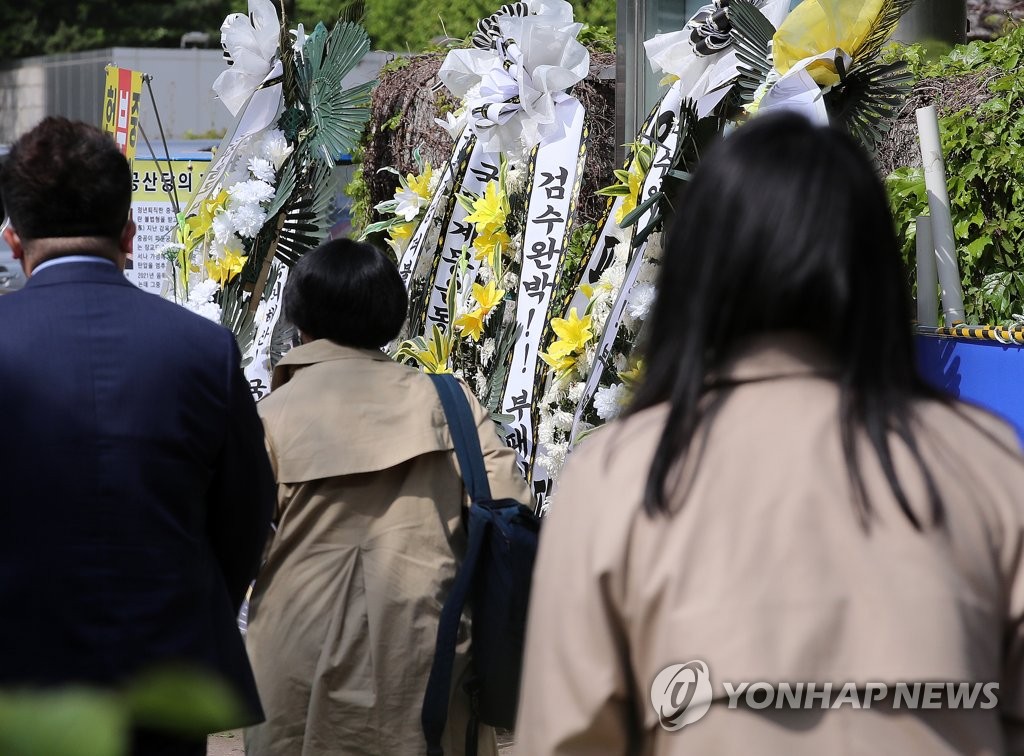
(231, 245)
(641, 299)
(262, 169)
(576, 392)
(275, 148)
(252, 192)
(608, 401)
(546, 431)
(248, 220)
(200, 300)
(223, 227)
(481, 383)
(562, 420)
(654, 246)
(459, 374)
(487, 351)
(552, 458)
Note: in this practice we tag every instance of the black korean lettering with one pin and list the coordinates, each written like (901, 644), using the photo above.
(543, 253)
(485, 173)
(549, 218)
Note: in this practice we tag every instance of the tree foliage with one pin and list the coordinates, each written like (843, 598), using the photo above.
(43, 27)
(40, 27)
(414, 25)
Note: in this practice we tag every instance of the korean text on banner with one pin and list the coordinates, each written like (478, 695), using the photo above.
(121, 100)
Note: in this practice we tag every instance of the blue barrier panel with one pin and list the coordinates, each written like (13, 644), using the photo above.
(982, 372)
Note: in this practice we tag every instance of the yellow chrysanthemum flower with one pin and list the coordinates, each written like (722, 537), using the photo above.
(489, 210)
(489, 296)
(472, 323)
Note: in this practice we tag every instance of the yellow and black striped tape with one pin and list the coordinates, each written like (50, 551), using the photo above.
(982, 333)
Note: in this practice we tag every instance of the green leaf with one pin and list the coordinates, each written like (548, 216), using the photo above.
(183, 701)
(70, 722)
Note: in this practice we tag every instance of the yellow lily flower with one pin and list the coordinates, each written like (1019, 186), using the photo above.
(489, 296)
(574, 332)
(421, 184)
(632, 376)
(222, 271)
(472, 323)
(402, 231)
(561, 365)
(488, 246)
(489, 210)
(630, 201)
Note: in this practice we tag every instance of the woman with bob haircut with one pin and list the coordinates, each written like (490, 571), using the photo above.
(786, 503)
(344, 613)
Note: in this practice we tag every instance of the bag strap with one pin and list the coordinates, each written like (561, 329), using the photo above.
(465, 436)
(434, 715)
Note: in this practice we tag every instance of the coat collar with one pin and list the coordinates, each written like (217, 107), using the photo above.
(772, 356)
(321, 350)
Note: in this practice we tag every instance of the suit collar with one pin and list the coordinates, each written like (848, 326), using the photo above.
(77, 272)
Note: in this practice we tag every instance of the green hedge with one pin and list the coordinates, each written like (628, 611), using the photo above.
(983, 145)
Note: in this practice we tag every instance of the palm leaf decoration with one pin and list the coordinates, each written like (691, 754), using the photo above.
(869, 100)
(337, 116)
(307, 213)
(752, 35)
(882, 28)
(872, 93)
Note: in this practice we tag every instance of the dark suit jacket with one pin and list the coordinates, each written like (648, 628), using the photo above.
(135, 491)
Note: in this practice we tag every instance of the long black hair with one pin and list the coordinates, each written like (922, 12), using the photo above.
(785, 227)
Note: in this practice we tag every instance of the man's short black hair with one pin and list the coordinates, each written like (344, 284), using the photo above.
(66, 178)
(348, 292)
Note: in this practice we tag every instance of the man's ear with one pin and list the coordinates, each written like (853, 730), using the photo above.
(127, 241)
(14, 242)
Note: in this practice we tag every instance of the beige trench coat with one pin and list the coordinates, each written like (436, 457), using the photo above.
(344, 613)
(764, 574)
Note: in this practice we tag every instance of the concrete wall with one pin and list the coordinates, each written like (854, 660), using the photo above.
(72, 85)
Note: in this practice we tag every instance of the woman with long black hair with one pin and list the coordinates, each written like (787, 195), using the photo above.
(786, 504)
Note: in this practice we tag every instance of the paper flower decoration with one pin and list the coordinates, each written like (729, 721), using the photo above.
(700, 55)
(250, 45)
(512, 87)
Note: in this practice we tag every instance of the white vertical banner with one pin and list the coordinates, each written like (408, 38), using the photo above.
(551, 204)
(439, 209)
(665, 136)
(257, 358)
(482, 169)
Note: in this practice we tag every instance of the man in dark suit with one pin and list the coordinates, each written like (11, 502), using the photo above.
(136, 493)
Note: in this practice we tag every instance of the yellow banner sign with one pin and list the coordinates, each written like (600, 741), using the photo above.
(121, 100)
